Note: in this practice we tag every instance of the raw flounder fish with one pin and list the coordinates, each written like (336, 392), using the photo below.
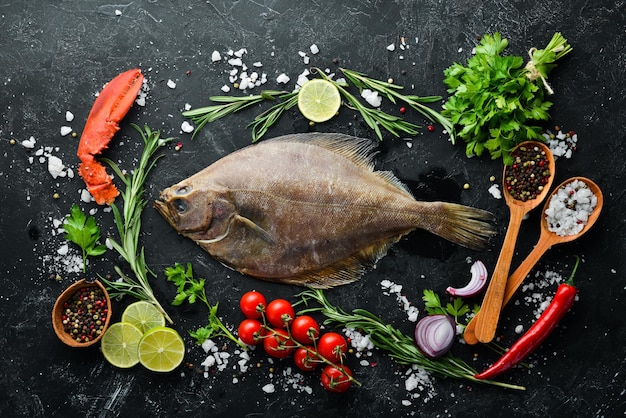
(308, 209)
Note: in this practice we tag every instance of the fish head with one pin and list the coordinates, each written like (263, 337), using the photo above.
(202, 215)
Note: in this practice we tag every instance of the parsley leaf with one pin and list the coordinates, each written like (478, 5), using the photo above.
(191, 289)
(83, 232)
(455, 308)
(497, 100)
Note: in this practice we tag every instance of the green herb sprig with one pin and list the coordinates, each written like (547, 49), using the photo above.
(191, 289)
(497, 100)
(374, 118)
(128, 223)
(398, 345)
(455, 308)
(84, 232)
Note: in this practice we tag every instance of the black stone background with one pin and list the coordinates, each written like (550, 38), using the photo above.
(55, 55)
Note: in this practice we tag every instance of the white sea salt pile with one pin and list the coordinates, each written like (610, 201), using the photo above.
(569, 208)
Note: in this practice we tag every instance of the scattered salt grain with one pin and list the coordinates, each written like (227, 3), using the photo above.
(494, 190)
(459, 50)
(314, 49)
(519, 329)
(235, 62)
(391, 47)
(85, 196)
(63, 249)
(171, 84)
(69, 116)
(372, 97)
(29, 143)
(208, 345)
(225, 88)
(269, 388)
(118, 12)
(396, 289)
(282, 78)
(186, 127)
(216, 56)
(66, 130)
(56, 167)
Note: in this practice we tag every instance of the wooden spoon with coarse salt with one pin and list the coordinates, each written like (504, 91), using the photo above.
(486, 320)
(546, 240)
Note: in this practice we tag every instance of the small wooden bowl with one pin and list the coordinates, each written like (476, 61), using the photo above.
(58, 310)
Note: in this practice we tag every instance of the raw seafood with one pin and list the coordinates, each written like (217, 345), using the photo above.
(308, 209)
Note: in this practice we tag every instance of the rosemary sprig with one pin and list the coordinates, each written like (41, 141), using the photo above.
(128, 223)
(392, 92)
(231, 104)
(399, 346)
(374, 118)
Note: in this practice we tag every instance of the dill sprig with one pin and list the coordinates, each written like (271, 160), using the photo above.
(376, 119)
(398, 345)
(128, 223)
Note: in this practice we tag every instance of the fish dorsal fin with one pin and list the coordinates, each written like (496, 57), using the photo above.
(360, 151)
(344, 271)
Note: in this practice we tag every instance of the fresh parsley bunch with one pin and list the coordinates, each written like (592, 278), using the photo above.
(497, 100)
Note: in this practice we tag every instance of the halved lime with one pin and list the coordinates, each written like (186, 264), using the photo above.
(119, 344)
(161, 349)
(318, 100)
(144, 315)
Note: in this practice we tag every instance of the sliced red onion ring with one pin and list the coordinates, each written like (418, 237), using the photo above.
(435, 334)
(476, 283)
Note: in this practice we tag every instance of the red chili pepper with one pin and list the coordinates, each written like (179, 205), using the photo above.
(539, 331)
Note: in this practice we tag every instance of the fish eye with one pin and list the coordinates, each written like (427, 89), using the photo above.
(180, 205)
(182, 190)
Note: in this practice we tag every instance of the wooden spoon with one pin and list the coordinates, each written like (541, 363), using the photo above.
(546, 240)
(487, 318)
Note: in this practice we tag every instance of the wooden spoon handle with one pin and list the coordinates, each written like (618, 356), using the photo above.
(518, 276)
(487, 321)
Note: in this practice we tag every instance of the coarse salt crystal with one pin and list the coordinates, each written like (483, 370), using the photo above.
(269, 388)
(85, 196)
(406, 402)
(225, 88)
(63, 249)
(235, 62)
(69, 116)
(494, 190)
(391, 47)
(66, 130)
(314, 49)
(186, 127)
(56, 167)
(519, 329)
(118, 12)
(216, 56)
(29, 143)
(257, 64)
(282, 78)
(171, 84)
(372, 97)
(306, 60)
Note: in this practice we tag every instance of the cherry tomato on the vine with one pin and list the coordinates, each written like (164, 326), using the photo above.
(305, 329)
(278, 344)
(252, 304)
(305, 358)
(335, 378)
(332, 346)
(279, 312)
(250, 331)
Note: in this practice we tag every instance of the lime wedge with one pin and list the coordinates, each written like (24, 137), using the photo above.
(161, 349)
(318, 100)
(119, 344)
(144, 315)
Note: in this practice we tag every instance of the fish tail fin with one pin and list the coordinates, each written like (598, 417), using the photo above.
(463, 225)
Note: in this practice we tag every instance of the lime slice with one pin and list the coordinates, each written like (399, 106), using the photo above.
(144, 315)
(161, 349)
(318, 100)
(119, 344)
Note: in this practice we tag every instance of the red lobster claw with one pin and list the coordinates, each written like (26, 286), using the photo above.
(110, 107)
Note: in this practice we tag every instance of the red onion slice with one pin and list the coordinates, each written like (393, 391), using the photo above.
(435, 334)
(476, 283)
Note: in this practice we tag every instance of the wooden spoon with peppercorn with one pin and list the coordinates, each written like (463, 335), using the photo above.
(526, 183)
